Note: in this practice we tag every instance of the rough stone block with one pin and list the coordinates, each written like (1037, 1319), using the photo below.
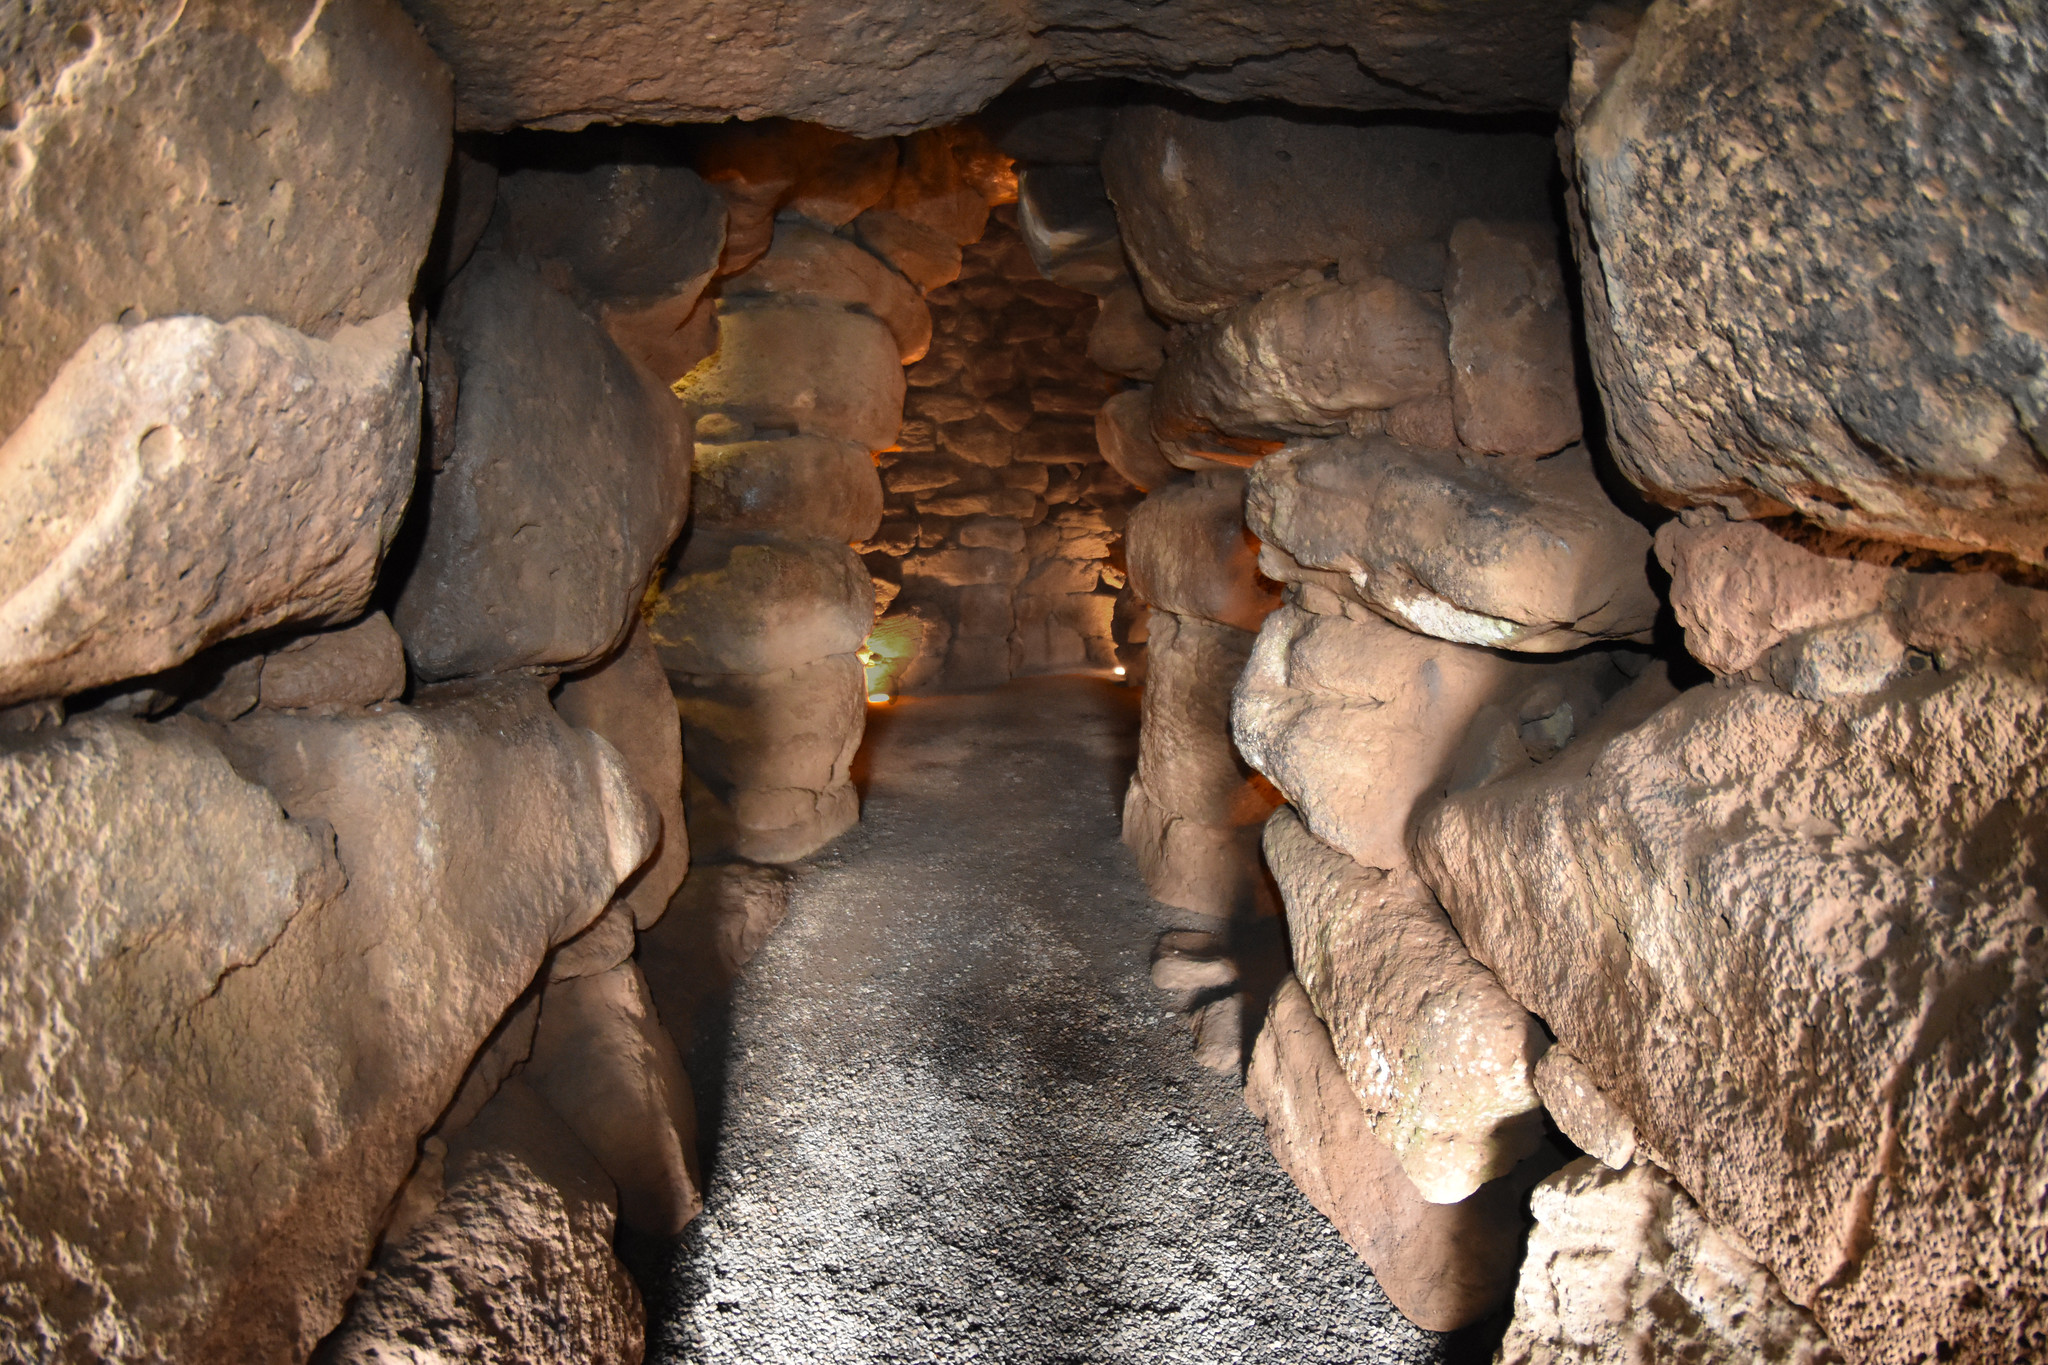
(813, 371)
(739, 606)
(1513, 386)
(798, 488)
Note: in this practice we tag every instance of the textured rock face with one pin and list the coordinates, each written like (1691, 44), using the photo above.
(315, 212)
(896, 66)
(1513, 388)
(566, 455)
(1774, 323)
(1123, 432)
(813, 371)
(513, 1263)
(1521, 555)
(1800, 945)
(743, 607)
(629, 233)
(356, 666)
(1443, 1265)
(1435, 1051)
(220, 1058)
(802, 488)
(804, 264)
(184, 482)
(1622, 1268)
(1190, 553)
(1219, 209)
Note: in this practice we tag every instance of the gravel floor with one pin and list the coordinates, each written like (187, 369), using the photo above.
(948, 1117)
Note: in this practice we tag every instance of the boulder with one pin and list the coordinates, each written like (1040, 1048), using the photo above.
(1437, 1053)
(1306, 359)
(1123, 433)
(316, 214)
(1125, 340)
(513, 1261)
(1799, 945)
(800, 487)
(346, 669)
(1443, 1265)
(601, 947)
(714, 926)
(626, 702)
(1185, 755)
(1622, 1268)
(807, 265)
(932, 187)
(1209, 870)
(630, 231)
(220, 1061)
(603, 1062)
(770, 757)
(569, 478)
(741, 606)
(1875, 365)
(1282, 195)
(1594, 1123)
(1513, 554)
(925, 256)
(184, 482)
(1513, 386)
(959, 568)
(1067, 221)
(1191, 554)
(813, 371)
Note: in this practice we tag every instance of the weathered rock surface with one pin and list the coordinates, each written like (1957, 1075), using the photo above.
(718, 920)
(1211, 870)
(1190, 554)
(805, 264)
(923, 255)
(1521, 555)
(1443, 1265)
(185, 481)
(514, 1262)
(1436, 1052)
(1185, 756)
(738, 606)
(1123, 432)
(1800, 946)
(812, 371)
(631, 232)
(355, 666)
(1622, 1268)
(315, 212)
(800, 488)
(1592, 1121)
(603, 1062)
(1873, 359)
(1067, 221)
(1219, 207)
(1514, 390)
(907, 66)
(1125, 340)
(626, 702)
(568, 479)
(1306, 359)
(220, 1061)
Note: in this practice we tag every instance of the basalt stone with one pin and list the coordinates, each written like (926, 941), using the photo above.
(719, 919)
(630, 232)
(1069, 225)
(1874, 362)
(932, 186)
(352, 667)
(1279, 196)
(1513, 386)
(184, 482)
(1438, 1055)
(1443, 1265)
(805, 264)
(801, 487)
(1125, 340)
(568, 479)
(812, 371)
(315, 213)
(742, 606)
(1514, 554)
(1852, 885)
(923, 255)
(1123, 433)
(1185, 756)
(1208, 869)
(1191, 554)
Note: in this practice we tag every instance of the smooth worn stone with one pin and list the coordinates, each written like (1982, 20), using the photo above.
(1622, 1268)
(315, 213)
(1513, 386)
(603, 1062)
(718, 920)
(932, 187)
(626, 702)
(1125, 340)
(601, 947)
(1123, 433)
(812, 371)
(923, 255)
(805, 264)
(1210, 870)
(1185, 756)
(1512, 554)
(1592, 1121)
(800, 487)
(513, 1262)
(1437, 1053)
(1189, 552)
(569, 478)
(1305, 359)
(741, 606)
(1281, 195)
(184, 482)
(1799, 945)
(1443, 1265)
(1067, 221)
(1873, 363)
(630, 232)
(219, 1059)
(354, 666)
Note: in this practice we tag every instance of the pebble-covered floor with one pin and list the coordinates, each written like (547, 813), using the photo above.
(949, 1118)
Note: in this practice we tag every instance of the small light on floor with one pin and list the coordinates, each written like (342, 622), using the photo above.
(1118, 670)
(878, 696)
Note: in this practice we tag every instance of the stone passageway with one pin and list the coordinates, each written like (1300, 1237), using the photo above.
(957, 1120)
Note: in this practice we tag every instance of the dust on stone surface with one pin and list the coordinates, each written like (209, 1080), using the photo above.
(947, 1117)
